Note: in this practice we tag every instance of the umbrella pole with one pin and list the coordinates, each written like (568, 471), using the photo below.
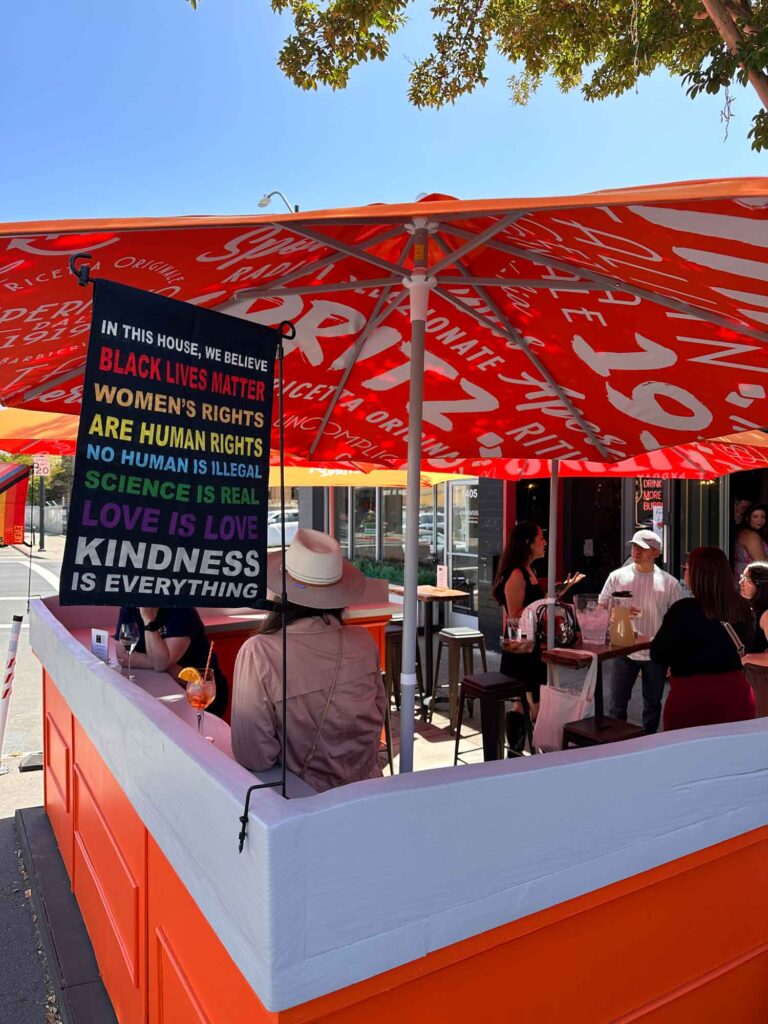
(554, 501)
(420, 286)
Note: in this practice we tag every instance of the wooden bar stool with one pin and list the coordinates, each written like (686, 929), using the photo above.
(461, 641)
(591, 732)
(493, 690)
(393, 640)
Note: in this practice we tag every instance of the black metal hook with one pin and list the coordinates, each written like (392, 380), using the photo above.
(81, 272)
(244, 816)
(287, 330)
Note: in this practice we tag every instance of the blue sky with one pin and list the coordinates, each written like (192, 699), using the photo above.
(144, 107)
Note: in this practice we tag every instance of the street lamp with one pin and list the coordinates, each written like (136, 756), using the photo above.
(266, 199)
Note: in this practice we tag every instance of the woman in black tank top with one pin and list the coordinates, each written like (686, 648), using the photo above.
(515, 587)
(753, 586)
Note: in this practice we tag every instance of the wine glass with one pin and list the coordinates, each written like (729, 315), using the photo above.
(129, 637)
(201, 690)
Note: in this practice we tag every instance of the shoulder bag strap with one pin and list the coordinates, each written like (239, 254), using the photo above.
(311, 753)
(734, 636)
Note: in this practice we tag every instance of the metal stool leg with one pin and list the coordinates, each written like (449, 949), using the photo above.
(481, 645)
(458, 725)
(454, 657)
(388, 738)
(435, 684)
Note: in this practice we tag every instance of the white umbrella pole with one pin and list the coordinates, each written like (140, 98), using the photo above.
(419, 285)
(554, 501)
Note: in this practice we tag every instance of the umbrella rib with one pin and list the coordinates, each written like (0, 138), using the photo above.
(318, 264)
(53, 383)
(453, 257)
(615, 284)
(378, 315)
(542, 283)
(353, 250)
(514, 336)
(512, 332)
(314, 289)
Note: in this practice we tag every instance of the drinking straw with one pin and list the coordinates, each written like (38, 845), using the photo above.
(208, 663)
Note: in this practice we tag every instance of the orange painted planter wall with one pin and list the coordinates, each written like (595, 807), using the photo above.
(687, 941)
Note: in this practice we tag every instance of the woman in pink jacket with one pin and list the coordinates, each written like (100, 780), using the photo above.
(336, 699)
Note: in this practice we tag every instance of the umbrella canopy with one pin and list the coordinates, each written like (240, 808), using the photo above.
(587, 327)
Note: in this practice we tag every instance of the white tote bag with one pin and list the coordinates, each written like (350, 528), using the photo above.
(569, 697)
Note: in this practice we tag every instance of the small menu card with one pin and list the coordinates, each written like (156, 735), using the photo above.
(100, 643)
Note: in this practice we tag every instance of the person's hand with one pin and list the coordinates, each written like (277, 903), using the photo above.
(570, 581)
(148, 614)
(121, 654)
(747, 659)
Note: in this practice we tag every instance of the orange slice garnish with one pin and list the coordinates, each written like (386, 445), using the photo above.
(190, 675)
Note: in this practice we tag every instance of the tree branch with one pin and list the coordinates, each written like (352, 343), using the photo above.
(730, 33)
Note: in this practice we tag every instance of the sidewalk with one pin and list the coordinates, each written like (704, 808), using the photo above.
(26, 995)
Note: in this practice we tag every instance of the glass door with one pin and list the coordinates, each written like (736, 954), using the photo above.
(462, 556)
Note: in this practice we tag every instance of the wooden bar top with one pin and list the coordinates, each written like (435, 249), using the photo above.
(426, 592)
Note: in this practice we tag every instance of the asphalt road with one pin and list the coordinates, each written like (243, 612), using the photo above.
(25, 995)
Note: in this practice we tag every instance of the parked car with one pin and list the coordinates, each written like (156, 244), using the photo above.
(274, 521)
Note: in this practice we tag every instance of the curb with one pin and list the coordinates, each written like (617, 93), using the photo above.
(80, 994)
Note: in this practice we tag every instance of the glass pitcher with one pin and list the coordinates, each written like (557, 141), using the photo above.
(620, 631)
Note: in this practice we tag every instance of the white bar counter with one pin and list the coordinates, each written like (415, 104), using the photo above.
(338, 887)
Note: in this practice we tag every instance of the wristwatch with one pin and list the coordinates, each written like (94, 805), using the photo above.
(152, 627)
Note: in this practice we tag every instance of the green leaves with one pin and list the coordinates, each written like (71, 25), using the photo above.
(602, 47)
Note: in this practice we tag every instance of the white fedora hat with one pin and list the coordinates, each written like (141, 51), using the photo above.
(316, 574)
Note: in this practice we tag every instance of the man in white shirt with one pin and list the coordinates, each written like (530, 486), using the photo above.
(653, 592)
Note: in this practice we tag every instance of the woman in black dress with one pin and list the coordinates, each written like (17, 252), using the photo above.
(753, 586)
(702, 640)
(514, 588)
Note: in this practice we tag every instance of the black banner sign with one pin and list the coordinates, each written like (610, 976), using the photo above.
(169, 503)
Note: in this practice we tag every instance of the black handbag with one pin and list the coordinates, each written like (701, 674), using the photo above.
(566, 628)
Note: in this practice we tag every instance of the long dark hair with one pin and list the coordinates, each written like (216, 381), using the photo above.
(293, 612)
(745, 519)
(516, 553)
(758, 574)
(711, 581)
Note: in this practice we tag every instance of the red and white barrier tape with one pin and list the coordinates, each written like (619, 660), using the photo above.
(10, 668)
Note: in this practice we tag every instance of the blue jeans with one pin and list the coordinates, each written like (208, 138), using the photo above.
(620, 674)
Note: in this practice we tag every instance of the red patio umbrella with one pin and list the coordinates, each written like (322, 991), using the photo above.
(582, 327)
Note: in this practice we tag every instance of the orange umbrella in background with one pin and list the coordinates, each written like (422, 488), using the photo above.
(29, 432)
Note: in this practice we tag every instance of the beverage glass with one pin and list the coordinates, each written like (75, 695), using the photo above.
(513, 628)
(129, 637)
(201, 690)
(592, 618)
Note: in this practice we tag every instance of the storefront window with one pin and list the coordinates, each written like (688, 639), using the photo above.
(364, 522)
(699, 517)
(463, 544)
(392, 523)
(341, 516)
(431, 526)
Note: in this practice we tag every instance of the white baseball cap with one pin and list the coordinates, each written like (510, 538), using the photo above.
(646, 539)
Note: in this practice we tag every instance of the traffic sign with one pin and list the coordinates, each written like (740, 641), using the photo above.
(42, 465)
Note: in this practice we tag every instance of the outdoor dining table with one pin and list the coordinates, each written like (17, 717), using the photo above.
(576, 656)
(428, 596)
